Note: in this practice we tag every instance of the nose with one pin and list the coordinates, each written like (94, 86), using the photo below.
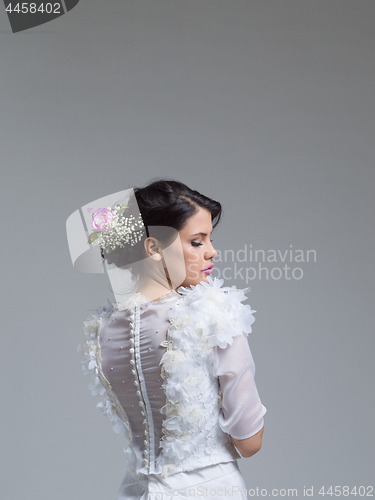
(211, 252)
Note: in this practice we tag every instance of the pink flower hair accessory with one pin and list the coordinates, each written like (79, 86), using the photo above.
(113, 229)
(101, 217)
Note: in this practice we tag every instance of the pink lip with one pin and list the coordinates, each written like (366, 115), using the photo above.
(208, 270)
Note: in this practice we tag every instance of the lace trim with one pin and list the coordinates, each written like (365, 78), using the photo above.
(139, 299)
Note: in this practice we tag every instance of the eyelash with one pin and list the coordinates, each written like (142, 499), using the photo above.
(196, 244)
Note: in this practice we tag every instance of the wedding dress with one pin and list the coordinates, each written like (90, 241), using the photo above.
(176, 377)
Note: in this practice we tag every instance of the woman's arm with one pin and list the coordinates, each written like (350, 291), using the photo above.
(242, 413)
(248, 447)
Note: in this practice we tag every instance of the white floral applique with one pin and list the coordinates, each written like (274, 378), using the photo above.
(207, 315)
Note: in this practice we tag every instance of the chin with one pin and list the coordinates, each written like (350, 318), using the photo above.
(194, 281)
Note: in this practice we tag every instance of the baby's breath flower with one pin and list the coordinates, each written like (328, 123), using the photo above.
(113, 229)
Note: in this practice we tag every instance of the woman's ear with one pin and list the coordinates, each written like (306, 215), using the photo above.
(152, 248)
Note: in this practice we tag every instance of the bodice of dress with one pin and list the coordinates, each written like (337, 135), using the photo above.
(177, 376)
(130, 343)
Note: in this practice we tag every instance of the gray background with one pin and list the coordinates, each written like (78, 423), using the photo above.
(265, 105)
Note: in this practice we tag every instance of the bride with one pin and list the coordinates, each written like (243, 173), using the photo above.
(170, 359)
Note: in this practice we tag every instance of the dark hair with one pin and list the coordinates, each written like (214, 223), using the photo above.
(171, 203)
(164, 203)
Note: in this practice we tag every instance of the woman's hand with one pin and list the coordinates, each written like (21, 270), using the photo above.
(249, 446)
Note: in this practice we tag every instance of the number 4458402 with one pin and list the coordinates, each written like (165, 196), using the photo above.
(345, 491)
(33, 8)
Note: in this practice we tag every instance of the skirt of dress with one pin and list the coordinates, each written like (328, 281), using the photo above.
(216, 482)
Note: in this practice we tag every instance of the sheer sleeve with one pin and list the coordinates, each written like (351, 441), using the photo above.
(242, 411)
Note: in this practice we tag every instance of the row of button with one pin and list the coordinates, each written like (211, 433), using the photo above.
(138, 392)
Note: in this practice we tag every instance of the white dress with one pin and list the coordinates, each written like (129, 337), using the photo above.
(176, 377)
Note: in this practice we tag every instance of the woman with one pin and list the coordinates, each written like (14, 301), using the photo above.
(173, 362)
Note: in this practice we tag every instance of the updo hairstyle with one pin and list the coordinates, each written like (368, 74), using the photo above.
(164, 203)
